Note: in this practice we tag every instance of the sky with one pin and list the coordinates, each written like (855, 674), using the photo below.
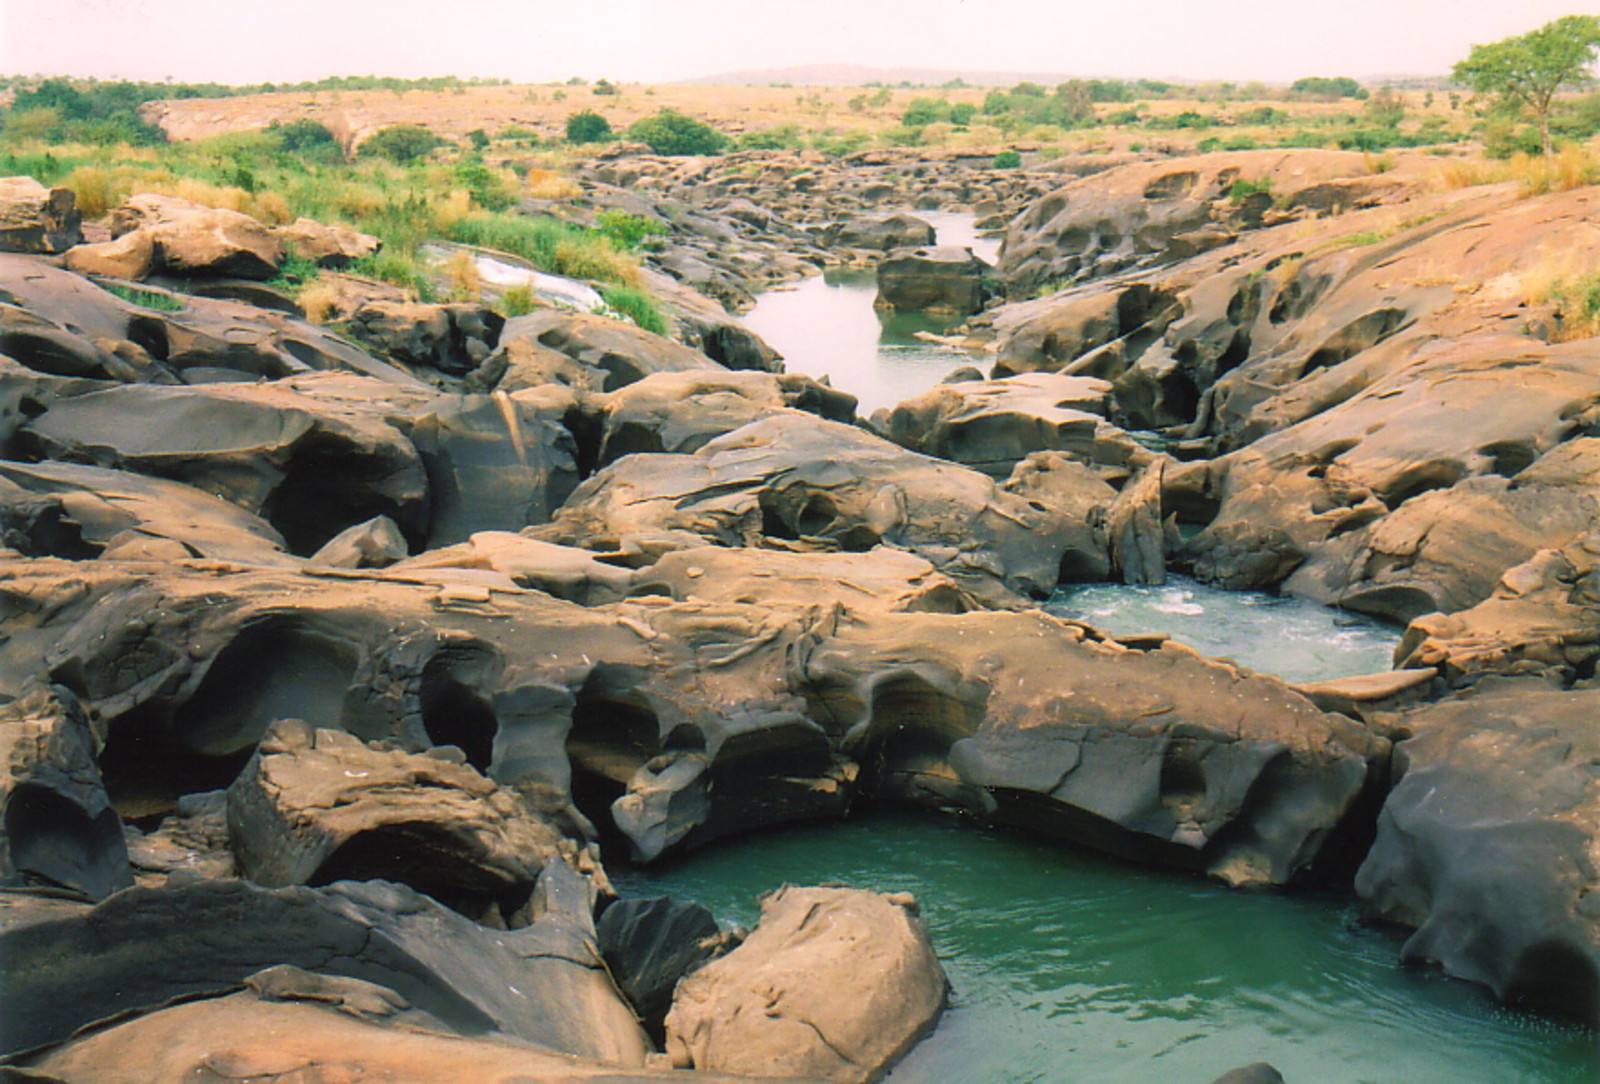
(247, 41)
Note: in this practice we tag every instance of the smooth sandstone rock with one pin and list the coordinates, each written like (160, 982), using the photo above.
(145, 947)
(327, 245)
(316, 806)
(833, 983)
(197, 240)
(132, 256)
(940, 279)
(341, 1030)
(1485, 844)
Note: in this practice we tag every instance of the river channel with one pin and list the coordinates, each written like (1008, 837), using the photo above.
(1071, 967)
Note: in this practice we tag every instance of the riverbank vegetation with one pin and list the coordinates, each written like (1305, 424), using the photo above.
(486, 163)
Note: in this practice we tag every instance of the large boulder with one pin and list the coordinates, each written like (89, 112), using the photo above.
(327, 245)
(834, 983)
(34, 218)
(1150, 212)
(79, 512)
(1544, 615)
(313, 456)
(316, 806)
(680, 412)
(53, 321)
(650, 945)
(193, 239)
(615, 349)
(454, 338)
(793, 478)
(1485, 844)
(949, 280)
(290, 1024)
(882, 233)
(992, 425)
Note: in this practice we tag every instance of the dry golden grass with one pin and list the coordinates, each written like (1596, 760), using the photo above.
(461, 279)
(1567, 285)
(98, 189)
(547, 184)
(319, 301)
(1572, 167)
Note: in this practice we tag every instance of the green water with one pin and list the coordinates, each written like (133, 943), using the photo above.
(1068, 967)
(1296, 639)
(826, 326)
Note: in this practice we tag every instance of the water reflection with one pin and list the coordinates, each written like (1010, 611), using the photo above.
(826, 326)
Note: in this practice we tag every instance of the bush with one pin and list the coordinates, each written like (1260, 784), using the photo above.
(1007, 159)
(670, 132)
(588, 127)
(628, 231)
(923, 111)
(488, 190)
(305, 139)
(402, 143)
(779, 138)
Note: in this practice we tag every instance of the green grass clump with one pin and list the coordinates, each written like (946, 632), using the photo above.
(637, 306)
(556, 247)
(397, 268)
(148, 299)
(1243, 188)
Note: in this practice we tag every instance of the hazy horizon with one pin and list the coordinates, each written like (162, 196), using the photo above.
(251, 41)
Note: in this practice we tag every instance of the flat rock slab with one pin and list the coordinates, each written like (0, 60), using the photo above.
(834, 983)
(144, 947)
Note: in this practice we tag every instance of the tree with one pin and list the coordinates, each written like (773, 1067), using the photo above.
(1527, 71)
(588, 127)
(670, 132)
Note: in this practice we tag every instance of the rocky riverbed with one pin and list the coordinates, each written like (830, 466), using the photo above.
(336, 657)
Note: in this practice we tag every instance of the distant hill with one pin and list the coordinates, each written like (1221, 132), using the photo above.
(855, 75)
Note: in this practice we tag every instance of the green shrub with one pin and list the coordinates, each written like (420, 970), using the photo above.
(487, 189)
(637, 306)
(628, 231)
(402, 143)
(923, 111)
(303, 137)
(1007, 159)
(670, 132)
(479, 139)
(588, 126)
(780, 138)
